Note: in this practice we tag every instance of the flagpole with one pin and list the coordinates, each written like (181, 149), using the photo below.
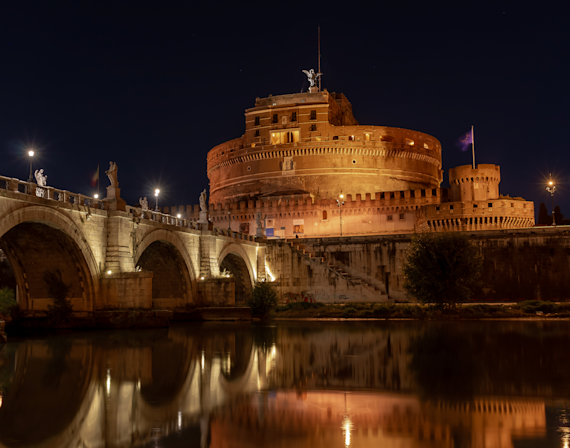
(98, 176)
(473, 145)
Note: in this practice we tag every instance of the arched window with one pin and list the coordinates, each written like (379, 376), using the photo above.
(410, 142)
(324, 214)
(387, 138)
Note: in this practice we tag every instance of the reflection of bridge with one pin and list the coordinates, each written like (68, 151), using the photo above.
(245, 388)
(115, 256)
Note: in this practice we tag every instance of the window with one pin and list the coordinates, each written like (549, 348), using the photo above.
(354, 161)
(389, 218)
(351, 138)
(490, 204)
(313, 127)
(437, 207)
(474, 205)
(402, 216)
(451, 207)
(366, 137)
(294, 116)
(324, 214)
(512, 204)
(275, 119)
(409, 142)
(387, 138)
(313, 115)
(278, 138)
(257, 132)
(335, 137)
(426, 146)
(257, 121)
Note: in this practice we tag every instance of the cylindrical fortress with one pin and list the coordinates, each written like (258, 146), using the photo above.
(479, 184)
(311, 144)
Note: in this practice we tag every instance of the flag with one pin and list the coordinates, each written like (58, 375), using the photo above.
(95, 177)
(464, 141)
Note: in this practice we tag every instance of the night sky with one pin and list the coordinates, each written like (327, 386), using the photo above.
(154, 86)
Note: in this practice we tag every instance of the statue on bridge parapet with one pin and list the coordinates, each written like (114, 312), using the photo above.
(203, 208)
(144, 204)
(259, 230)
(113, 173)
(41, 180)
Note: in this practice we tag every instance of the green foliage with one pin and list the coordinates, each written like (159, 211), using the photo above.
(7, 300)
(442, 269)
(263, 299)
(61, 310)
(532, 306)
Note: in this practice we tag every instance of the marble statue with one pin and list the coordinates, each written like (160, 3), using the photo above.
(41, 178)
(203, 206)
(112, 174)
(258, 220)
(144, 204)
(312, 76)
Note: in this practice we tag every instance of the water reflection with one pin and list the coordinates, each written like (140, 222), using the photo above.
(395, 385)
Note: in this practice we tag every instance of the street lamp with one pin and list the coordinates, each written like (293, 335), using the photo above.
(339, 204)
(31, 154)
(96, 196)
(551, 189)
(156, 195)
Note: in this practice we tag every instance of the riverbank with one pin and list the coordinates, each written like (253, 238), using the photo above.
(522, 310)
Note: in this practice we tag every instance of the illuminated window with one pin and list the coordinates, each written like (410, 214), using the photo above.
(409, 142)
(351, 138)
(275, 118)
(318, 139)
(426, 146)
(313, 115)
(366, 137)
(278, 138)
(257, 121)
(294, 116)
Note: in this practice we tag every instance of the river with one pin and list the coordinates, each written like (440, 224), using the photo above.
(291, 384)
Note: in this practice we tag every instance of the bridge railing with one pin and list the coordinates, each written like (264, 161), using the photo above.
(54, 194)
(232, 234)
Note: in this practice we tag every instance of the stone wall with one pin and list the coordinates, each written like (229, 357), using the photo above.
(126, 290)
(518, 265)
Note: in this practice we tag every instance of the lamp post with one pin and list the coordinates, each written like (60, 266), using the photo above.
(156, 202)
(31, 154)
(551, 189)
(339, 204)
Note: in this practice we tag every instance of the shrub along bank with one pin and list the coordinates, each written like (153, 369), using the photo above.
(527, 309)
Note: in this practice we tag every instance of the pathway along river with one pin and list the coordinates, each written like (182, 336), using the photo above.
(299, 384)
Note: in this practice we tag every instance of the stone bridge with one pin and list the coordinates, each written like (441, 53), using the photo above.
(114, 256)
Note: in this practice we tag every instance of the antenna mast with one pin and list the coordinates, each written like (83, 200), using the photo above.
(319, 44)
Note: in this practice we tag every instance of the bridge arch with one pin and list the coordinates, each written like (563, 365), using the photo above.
(234, 258)
(39, 239)
(163, 253)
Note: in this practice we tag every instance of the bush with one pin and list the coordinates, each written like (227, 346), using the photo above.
(61, 310)
(442, 269)
(263, 299)
(532, 306)
(7, 300)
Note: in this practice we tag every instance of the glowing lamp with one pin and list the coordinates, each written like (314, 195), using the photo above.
(96, 196)
(178, 215)
(109, 272)
(31, 153)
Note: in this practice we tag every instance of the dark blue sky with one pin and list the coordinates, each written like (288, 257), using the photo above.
(155, 85)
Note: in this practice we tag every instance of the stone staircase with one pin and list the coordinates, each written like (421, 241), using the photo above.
(307, 254)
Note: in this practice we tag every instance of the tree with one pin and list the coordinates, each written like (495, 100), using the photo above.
(7, 300)
(442, 268)
(544, 219)
(61, 310)
(263, 299)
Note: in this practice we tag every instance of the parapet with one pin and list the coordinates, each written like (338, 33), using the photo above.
(479, 184)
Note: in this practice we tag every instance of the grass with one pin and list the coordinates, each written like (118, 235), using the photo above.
(361, 310)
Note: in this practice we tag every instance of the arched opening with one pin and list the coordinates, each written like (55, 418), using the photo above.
(171, 285)
(236, 265)
(325, 216)
(35, 249)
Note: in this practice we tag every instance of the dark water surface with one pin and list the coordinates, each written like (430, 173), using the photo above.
(381, 384)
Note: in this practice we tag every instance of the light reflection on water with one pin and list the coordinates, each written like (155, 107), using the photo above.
(394, 385)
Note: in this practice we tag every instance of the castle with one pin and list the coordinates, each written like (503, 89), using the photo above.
(311, 170)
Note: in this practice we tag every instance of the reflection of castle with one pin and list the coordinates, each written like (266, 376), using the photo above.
(301, 152)
(325, 419)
